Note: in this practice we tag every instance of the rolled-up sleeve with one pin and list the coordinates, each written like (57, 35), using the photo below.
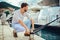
(18, 17)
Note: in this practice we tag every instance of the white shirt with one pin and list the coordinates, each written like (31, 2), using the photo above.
(3, 17)
(18, 16)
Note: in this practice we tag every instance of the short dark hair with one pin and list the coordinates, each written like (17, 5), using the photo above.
(24, 5)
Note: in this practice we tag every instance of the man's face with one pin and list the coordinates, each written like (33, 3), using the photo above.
(26, 8)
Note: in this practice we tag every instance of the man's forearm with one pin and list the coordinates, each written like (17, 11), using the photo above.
(32, 21)
(23, 24)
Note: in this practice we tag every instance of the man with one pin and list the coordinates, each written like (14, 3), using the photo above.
(2, 16)
(17, 22)
(9, 16)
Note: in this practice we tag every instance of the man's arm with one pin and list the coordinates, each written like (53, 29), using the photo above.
(32, 21)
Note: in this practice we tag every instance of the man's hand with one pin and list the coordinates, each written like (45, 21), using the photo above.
(27, 32)
(33, 28)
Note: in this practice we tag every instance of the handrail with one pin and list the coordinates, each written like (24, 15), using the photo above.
(42, 27)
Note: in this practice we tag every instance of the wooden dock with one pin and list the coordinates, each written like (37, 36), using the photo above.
(6, 33)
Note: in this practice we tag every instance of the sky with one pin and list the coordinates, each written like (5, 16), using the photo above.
(18, 2)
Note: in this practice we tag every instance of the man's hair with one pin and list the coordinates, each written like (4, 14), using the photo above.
(24, 5)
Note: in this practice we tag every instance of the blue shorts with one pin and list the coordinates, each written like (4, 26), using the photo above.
(20, 28)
